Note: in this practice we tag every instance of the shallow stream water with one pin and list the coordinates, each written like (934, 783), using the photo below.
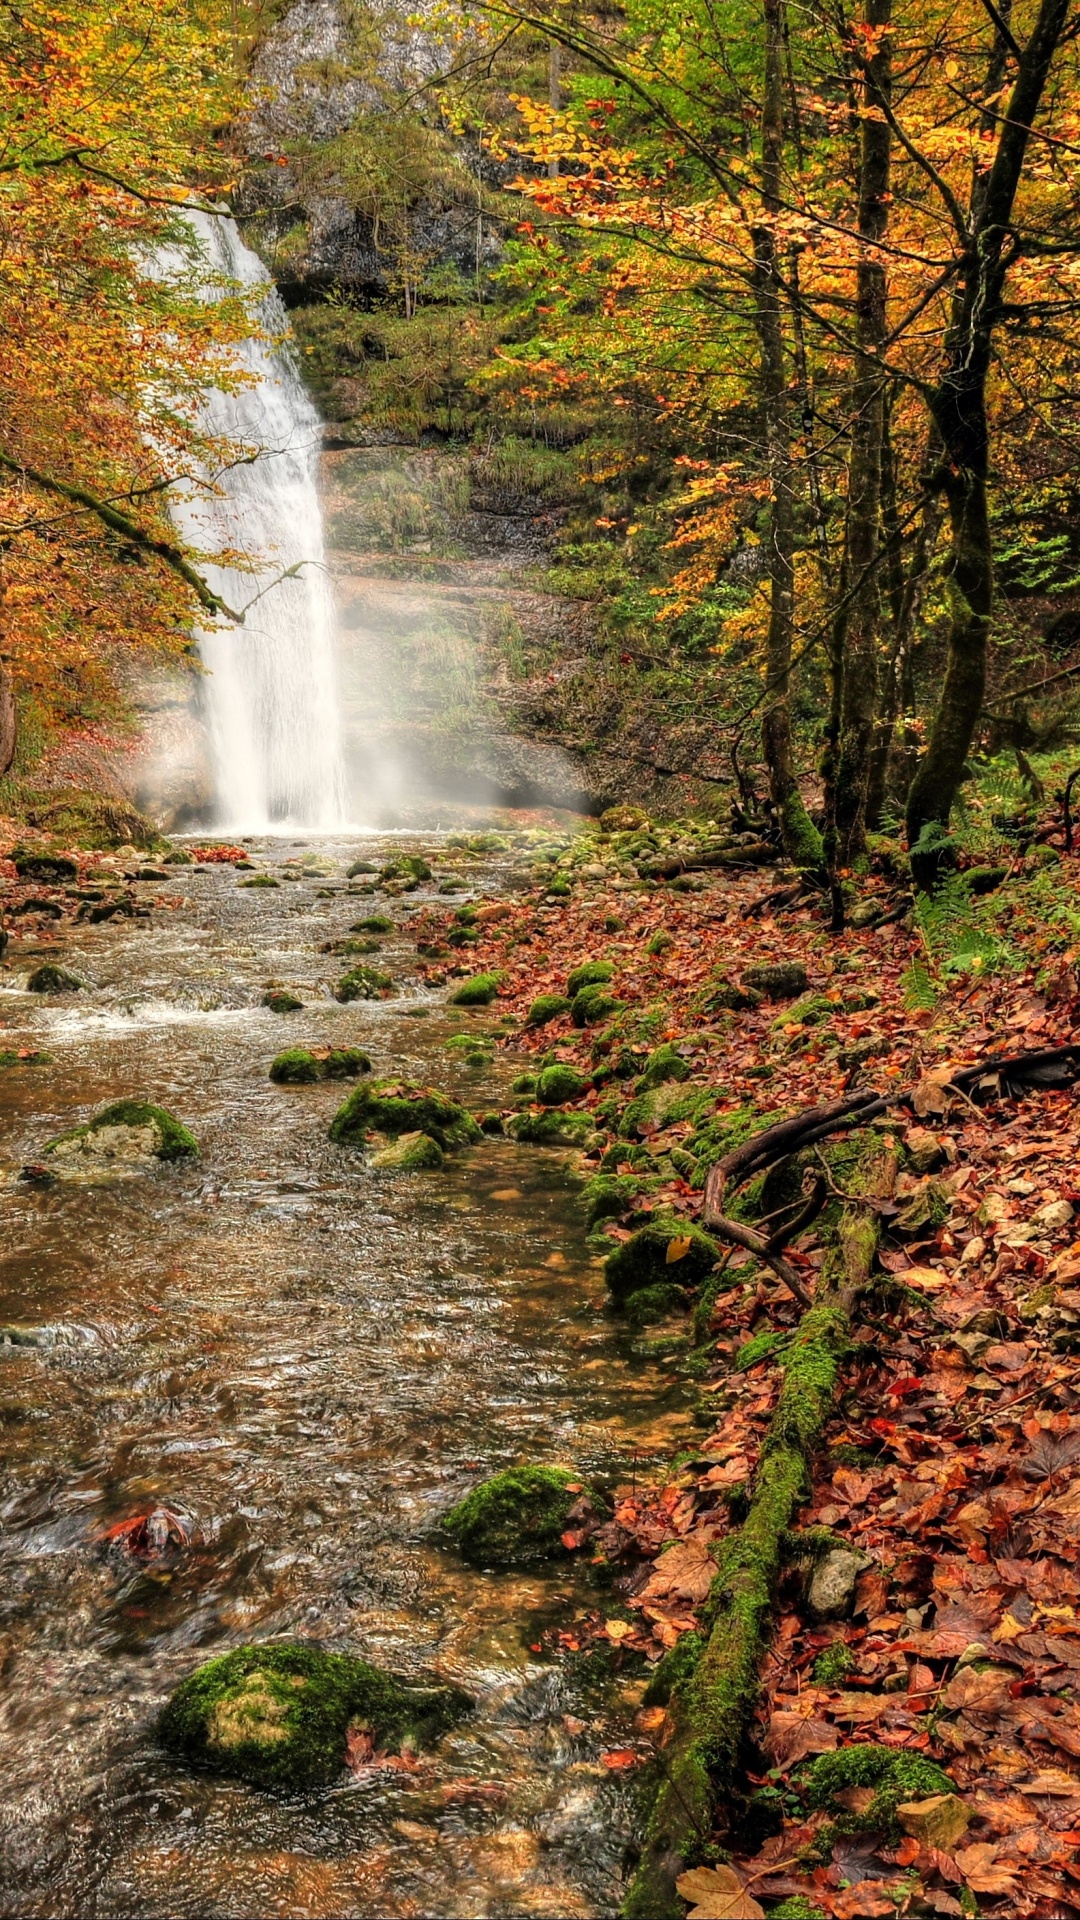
(308, 1362)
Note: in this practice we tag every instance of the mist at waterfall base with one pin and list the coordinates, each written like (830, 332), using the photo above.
(270, 694)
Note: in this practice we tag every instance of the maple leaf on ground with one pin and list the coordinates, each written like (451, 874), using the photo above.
(791, 1736)
(684, 1572)
(983, 1875)
(718, 1893)
(867, 1901)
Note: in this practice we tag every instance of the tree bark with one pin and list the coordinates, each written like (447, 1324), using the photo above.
(958, 406)
(857, 645)
(802, 842)
(9, 730)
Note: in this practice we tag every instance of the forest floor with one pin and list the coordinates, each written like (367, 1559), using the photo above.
(951, 1464)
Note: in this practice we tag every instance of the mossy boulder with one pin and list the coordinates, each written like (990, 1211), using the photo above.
(777, 979)
(591, 973)
(593, 1004)
(664, 1063)
(409, 1153)
(517, 1517)
(373, 923)
(895, 1775)
(658, 1255)
(810, 1010)
(480, 991)
(727, 996)
(397, 1107)
(260, 880)
(664, 1106)
(279, 1715)
(363, 983)
(53, 979)
(127, 1133)
(279, 1000)
(298, 1067)
(552, 1128)
(659, 942)
(559, 1083)
(623, 819)
(546, 1007)
(650, 1304)
(51, 868)
(609, 1195)
(358, 867)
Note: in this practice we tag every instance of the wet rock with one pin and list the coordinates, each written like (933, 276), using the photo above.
(53, 979)
(480, 991)
(409, 1153)
(558, 1084)
(374, 923)
(279, 1000)
(299, 1067)
(129, 1133)
(623, 819)
(518, 1516)
(777, 980)
(552, 1128)
(360, 866)
(260, 880)
(394, 1107)
(546, 1007)
(726, 996)
(830, 1594)
(591, 973)
(50, 867)
(364, 983)
(667, 1251)
(280, 1716)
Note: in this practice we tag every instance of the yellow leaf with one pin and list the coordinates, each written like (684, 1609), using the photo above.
(678, 1248)
(1008, 1628)
(618, 1629)
(717, 1893)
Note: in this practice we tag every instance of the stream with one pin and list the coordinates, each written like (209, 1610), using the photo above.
(307, 1362)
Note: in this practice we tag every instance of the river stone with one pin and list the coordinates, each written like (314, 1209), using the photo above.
(517, 1516)
(666, 1252)
(396, 1107)
(52, 979)
(777, 980)
(830, 1594)
(409, 1153)
(128, 1134)
(280, 1715)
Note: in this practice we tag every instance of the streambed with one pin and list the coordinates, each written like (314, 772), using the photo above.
(307, 1362)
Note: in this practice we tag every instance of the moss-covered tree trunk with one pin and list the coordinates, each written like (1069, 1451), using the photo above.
(802, 842)
(958, 406)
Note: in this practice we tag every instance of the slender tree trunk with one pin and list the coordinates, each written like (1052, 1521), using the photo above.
(802, 842)
(958, 405)
(904, 593)
(857, 646)
(9, 731)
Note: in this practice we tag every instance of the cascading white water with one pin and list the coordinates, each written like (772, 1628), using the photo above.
(271, 691)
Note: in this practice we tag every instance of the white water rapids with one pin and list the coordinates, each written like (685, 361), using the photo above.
(271, 690)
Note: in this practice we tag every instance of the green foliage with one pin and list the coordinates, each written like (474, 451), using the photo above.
(896, 1774)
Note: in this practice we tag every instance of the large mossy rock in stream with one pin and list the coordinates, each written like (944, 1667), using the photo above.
(559, 1083)
(480, 991)
(518, 1516)
(665, 1253)
(53, 979)
(298, 1067)
(409, 1153)
(279, 1716)
(364, 983)
(130, 1133)
(395, 1107)
(553, 1128)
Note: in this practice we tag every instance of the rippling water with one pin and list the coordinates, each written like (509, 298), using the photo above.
(308, 1362)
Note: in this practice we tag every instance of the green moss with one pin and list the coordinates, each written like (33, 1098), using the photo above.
(52, 868)
(591, 973)
(280, 1001)
(35, 1058)
(53, 979)
(515, 1517)
(297, 1067)
(174, 1140)
(759, 1348)
(674, 1669)
(480, 991)
(642, 1261)
(650, 1304)
(393, 1107)
(374, 923)
(260, 880)
(358, 867)
(551, 1128)
(797, 1907)
(592, 1005)
(278, 1715)
(895, 1773)
(363, 983)
(810, 1011)
(665, 1063)
(525, 1083)
(409, 1153)
(607, 1196)
(834, 1663)
(546, 1007)
(557, 1084)
(777, 980)
(659, 942)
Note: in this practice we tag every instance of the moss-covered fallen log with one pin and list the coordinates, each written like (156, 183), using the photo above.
(711, 1705)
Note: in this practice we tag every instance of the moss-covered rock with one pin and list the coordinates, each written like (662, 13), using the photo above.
(895, 1774)
(664, 1063)
(726, 996)
(811, 1010)
(546, 1007)
(260, 880)
(552, 1128)
(373, 923)
(409, 1153)
(591, 973)
(53, 979)
(657, 1255)
(279, 1000)
(363, 983)
(396, 1107)
(833, 1664)
(358, 867)
(777, 979)
(480, 991)
(516, 1517)
(279, 1716)
(665, 1105)
(127, 1133)
(298, 1067)
(609, 1195)
(592, 1005)
(659, 942)
(51, 868)
(559, 1083)
(650, 1304)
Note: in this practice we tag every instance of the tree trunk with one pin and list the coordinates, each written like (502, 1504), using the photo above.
(9, 730)
(904, 591)
(858, 644)
(958, 405)
(802, 842)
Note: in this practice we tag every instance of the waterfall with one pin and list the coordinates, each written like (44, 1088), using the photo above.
(271, 691)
